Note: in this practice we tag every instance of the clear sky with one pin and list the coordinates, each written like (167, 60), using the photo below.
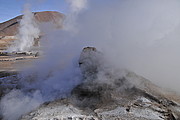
(12, 8)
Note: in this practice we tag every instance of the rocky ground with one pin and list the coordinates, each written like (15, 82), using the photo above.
(116, 97)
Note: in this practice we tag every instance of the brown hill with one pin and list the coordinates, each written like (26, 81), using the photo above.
(9, 28)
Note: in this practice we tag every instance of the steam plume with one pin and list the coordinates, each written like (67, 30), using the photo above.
(28, 31)
(75, 8)
(16, 103)
(77, 5)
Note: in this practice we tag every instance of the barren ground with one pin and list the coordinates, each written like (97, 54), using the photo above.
(11, 63)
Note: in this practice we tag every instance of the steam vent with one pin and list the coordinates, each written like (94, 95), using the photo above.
(90, 60)
(115, 96)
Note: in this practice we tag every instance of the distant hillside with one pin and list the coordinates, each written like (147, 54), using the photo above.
(10, 27)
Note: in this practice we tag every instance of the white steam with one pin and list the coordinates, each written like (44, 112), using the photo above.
(28, 32)
(16, 103)
(77, 5)
(75, 8)
(141, 36)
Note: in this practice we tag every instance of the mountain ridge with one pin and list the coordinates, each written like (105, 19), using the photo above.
(10, 27)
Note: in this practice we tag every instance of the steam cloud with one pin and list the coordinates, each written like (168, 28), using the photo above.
(77, 5)
(75, 8)
(16, 103)
(48, 80)
(141, 36)
(28, 31)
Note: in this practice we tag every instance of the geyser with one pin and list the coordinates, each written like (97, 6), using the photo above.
(28, 32)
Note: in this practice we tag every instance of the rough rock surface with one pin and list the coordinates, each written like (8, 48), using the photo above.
(115, 96)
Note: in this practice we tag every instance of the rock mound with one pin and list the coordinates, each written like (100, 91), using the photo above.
(106, 94)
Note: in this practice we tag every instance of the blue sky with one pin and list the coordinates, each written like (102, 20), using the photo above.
(12, 8)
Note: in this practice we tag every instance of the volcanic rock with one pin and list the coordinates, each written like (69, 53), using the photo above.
(107, 94)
